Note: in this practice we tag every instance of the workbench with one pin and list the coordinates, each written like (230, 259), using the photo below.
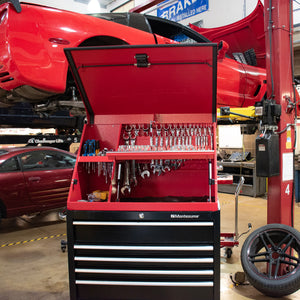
(254, 186)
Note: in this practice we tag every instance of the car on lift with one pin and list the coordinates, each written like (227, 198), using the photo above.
(33, 66)
(34, 179)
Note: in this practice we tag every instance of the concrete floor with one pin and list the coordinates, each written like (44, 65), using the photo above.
(37, 269)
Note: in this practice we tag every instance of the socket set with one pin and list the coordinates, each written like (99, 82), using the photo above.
(167, 137)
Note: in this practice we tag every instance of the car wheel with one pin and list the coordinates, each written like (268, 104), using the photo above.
(270, 258)
(62, 214)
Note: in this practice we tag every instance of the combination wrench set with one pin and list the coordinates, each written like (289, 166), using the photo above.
(127, 173)
(92, 148)
(167, 137)
(152, 137)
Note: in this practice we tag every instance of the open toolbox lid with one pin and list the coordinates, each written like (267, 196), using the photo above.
(156, 79)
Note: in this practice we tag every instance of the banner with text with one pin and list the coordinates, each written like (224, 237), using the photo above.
(181, 9)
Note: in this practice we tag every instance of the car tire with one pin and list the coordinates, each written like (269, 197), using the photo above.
(270, 258)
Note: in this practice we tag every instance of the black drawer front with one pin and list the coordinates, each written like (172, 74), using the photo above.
(108, 292)
(115, 259)
(143, 232)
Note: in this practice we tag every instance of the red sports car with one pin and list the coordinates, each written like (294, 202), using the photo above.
(33, 66)
(34, 179)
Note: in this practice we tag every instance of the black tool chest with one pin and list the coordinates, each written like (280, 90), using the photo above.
(143, 215)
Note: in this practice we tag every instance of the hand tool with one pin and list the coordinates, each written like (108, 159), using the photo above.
(105, 166)
(145, 171)
(126, 184)
(114, 182)
(133, 179)
(119, 181)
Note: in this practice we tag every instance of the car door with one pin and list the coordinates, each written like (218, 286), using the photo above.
(48, 175)
(13, 189)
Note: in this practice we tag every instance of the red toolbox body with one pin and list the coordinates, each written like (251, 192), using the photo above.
(143, 215)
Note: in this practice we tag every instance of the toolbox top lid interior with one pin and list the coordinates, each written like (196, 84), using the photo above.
(157, 79)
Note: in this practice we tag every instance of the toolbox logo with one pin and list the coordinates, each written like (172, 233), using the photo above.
(177, 216)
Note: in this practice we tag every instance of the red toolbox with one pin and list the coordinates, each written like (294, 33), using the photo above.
(143, 215)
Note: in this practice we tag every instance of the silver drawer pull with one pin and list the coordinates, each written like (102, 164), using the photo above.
(151, 248)
(147, 272)
(146, 283)
(146, 260)
(96, 223)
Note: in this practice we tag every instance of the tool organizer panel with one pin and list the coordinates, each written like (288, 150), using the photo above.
(143, 215)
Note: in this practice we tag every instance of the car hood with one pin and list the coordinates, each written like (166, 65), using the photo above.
(242, 35)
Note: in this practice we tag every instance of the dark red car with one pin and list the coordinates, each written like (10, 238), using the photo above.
(34, 179)
(33, 66)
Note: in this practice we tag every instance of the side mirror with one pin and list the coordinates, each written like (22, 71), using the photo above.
(222, 49)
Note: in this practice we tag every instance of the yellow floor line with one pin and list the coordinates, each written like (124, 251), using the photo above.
(32, 240)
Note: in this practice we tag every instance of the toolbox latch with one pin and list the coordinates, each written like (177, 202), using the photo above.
(142, 60)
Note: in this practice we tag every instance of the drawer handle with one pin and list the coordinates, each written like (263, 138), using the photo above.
(189, 224)
(146, 260)
(146, 283)
(145, 248)
(147, 272)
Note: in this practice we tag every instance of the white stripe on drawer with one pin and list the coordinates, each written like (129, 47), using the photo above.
(147, 260)
(146, 272)
(150, 248)
(147, 283)
(96, 223)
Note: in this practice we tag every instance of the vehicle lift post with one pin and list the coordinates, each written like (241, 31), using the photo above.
(280, 87)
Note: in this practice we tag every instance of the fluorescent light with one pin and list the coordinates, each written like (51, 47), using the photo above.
(94, 6)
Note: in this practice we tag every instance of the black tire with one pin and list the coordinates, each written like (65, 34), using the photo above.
(228, 252)
(271, 259)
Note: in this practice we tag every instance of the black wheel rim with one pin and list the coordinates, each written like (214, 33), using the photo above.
(274, 254)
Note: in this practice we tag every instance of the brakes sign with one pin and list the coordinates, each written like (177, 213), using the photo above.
(181, 9)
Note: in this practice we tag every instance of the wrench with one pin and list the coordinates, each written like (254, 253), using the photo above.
(133, 179)
(145, 171)
(126, 184)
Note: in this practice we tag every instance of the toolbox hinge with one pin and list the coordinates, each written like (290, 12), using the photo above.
(142, 60)
(212, 181)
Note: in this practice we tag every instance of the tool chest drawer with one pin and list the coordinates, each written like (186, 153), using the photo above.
(141, 265)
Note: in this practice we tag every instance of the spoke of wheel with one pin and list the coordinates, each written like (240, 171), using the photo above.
(270, 241)
(291, 257)
(277, 268)
(290, 263)
(263, 240)
(259, 254)
(283, 240)
(259, 260)
(288, 244)
(270, 270)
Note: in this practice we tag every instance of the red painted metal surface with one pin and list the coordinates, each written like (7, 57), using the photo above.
(37, 59)
(123, 104)
(242, 35)
(279, 62)
(33, 60)
(126, 84)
